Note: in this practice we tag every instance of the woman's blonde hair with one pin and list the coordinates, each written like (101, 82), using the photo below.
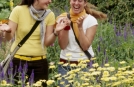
(91, 9)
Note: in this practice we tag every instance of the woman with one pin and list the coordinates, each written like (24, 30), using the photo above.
(21, 20)
(85, 25)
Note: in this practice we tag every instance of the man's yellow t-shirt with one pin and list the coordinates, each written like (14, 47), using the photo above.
(21, 16)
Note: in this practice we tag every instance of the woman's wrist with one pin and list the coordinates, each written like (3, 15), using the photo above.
(55, 33)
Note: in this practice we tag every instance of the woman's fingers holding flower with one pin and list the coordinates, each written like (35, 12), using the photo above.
(62, 24)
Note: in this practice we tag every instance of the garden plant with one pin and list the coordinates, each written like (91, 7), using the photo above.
(113, 65)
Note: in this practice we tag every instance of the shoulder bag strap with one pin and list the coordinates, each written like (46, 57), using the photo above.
(10, 57)
(25, 38)
(86, 52)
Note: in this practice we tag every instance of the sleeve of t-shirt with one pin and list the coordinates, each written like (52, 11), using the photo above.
(14, 15)
(50, 19)
(92, 21)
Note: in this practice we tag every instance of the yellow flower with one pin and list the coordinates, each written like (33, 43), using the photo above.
(60, 63)
(122, 62)
(111, 68)
(49, 82)
(91, 70)
(80, 59)
(3, 82)
(58, 75)
(66, 64)
(121, 69)
(87, 60)
(103, 69)
(94, 58)
(42, 80)
(99, 68)
(59, 78)
(96, 73)
(70, 81)
(38, 83)
(62, 82)
(105, 73)
(113, 78)
(52, 67)
(95, 65)
(73, 65)
(105, 79)
(116, 84)
(85, 84)
(133, 69)
(77, 70)
(51, 63)
(106, 65)
(121, 77)
(67, 85)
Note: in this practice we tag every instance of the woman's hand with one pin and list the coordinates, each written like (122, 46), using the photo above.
(5, 28)
(80, 21)
(62, 24)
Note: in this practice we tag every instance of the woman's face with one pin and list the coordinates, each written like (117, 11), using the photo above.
(41, 4)
(77, 5)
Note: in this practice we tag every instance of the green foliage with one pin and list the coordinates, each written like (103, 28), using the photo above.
(114, 44)
(4, 9)
(59, 6)
(119, 11)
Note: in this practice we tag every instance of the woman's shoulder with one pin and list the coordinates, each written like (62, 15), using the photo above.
(50, 14)
(91, 17)
(20, 7)
(90, 20)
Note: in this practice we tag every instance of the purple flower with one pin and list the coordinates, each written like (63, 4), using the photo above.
(2, 75)
(23, 77)
(20, 68)
(9, 71)
(99, 48)
(90, 64)
(31, 79)
(125, 33)
(11, 64)
(25, 67)
(106, 60)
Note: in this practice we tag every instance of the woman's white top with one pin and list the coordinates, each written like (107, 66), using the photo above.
(73, 48)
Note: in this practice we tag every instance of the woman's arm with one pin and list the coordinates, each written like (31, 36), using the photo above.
(63, 39)
(51, 33)
(8, 30)
(63, 34)
(87, 39)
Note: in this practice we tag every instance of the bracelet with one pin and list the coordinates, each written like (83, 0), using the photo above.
(8, 31)
(55, 34)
